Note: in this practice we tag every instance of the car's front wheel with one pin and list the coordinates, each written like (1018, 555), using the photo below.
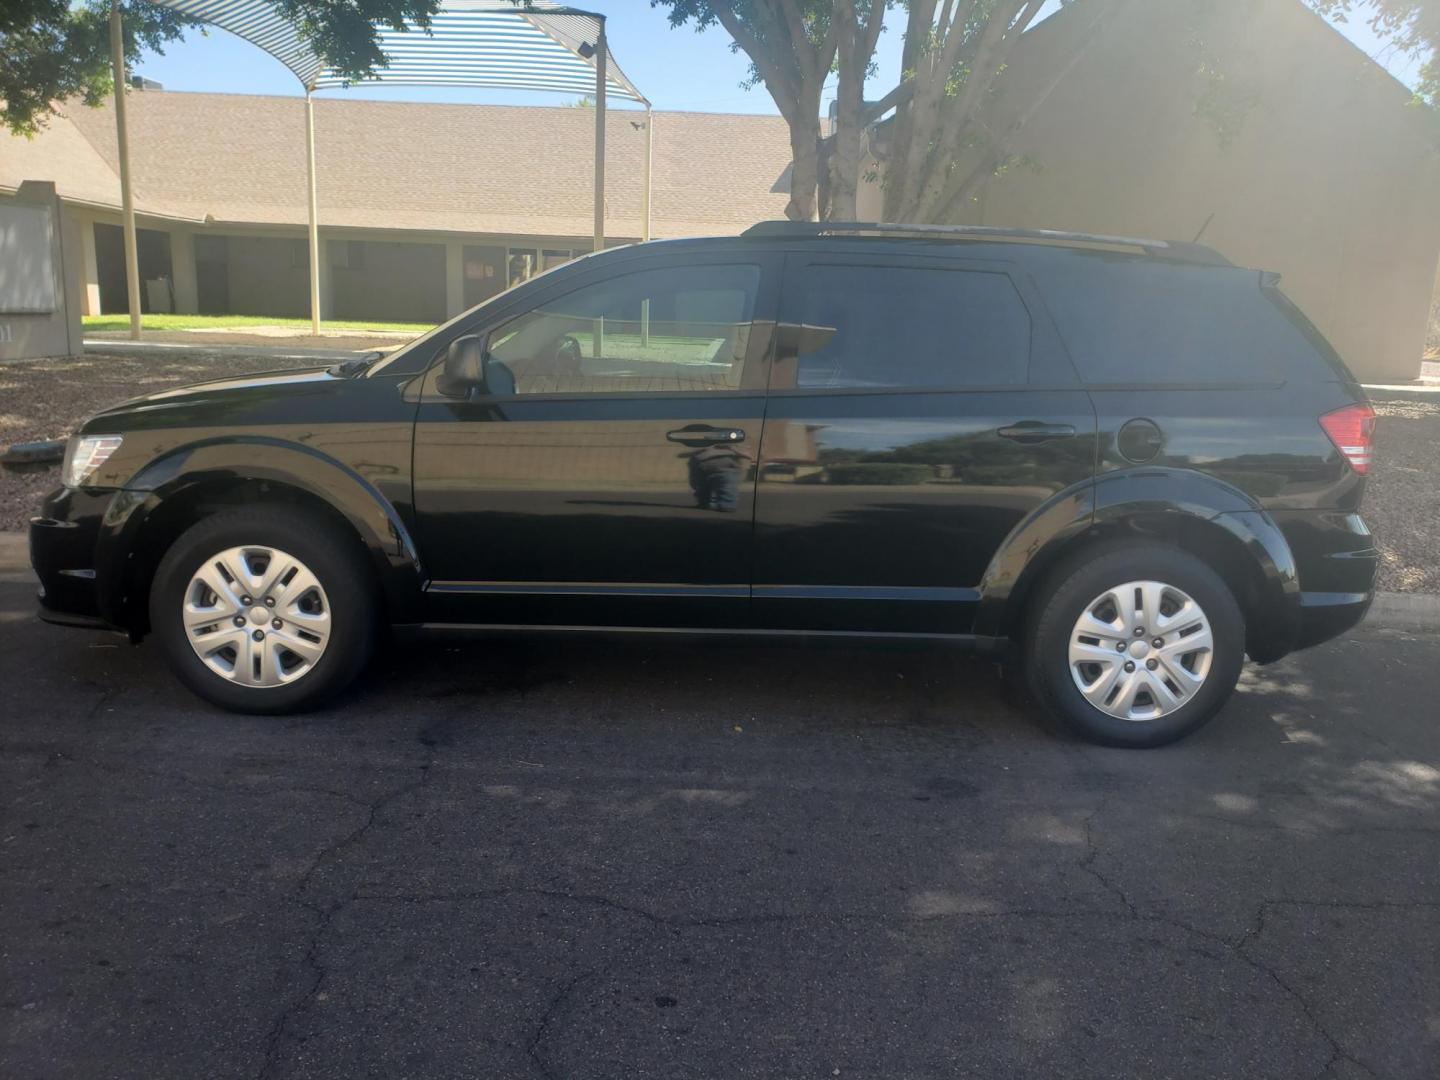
(267, 610)
(1136, 645)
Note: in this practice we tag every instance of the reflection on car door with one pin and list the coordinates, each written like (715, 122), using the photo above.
(919, 410)
(615, 483)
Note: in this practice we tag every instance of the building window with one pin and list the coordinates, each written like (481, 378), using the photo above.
(521, 265)
(347, 254)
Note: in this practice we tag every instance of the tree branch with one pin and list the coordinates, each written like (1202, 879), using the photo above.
(958, 193)
(805, 52)
(783, 89)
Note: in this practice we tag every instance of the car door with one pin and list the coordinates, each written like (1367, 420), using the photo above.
(919, 410)
(605, 474)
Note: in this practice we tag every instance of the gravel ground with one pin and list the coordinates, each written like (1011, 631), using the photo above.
(1402, 500)
(45, 400)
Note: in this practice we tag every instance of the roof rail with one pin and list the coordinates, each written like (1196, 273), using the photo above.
(1170, 249)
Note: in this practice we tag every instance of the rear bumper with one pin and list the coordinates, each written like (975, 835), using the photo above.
(1337, 561)
(63, 542)
(1328, 615)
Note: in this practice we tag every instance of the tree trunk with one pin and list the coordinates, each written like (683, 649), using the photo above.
(854, 48)
(805, 160)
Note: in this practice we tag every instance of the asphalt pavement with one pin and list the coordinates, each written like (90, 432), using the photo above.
(561, 859)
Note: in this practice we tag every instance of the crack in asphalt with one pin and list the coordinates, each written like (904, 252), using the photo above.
(229, 787)
(1092, 852)
(715, 922)
(532, 1048)
(325, 915)
(357, 834)
(1237, 947)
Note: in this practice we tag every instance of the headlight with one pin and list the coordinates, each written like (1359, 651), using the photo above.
(85, 455)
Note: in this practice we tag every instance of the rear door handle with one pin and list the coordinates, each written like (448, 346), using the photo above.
(703, 435)
(1036, 431)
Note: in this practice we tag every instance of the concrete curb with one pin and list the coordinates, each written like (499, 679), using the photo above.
(1391, 611)
(1420, 391)
(15, 558)
(1405, 611)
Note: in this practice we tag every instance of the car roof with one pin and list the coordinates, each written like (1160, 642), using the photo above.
(970, 237)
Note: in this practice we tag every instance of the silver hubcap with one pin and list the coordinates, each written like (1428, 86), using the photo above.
(1141, 650)
(256, 616)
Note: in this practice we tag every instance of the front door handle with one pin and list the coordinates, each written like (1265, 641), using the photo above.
(1036, 431)
(704, 435)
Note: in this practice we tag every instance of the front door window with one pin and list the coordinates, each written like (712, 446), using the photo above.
(677, 330)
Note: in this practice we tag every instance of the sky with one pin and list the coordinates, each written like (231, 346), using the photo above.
(675, 69)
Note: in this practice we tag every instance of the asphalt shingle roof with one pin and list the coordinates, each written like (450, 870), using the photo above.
(513, 170)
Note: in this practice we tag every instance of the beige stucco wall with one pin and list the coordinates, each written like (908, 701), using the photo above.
(397, 281)
(1327, 175)
(265, 278)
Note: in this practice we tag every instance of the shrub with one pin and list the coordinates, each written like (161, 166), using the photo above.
(880, 472)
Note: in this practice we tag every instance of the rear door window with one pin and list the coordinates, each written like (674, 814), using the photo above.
(884, 327)
(1137, 322)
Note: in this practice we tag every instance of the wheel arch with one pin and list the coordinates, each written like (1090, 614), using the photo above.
(1193, 512)
(176, 491)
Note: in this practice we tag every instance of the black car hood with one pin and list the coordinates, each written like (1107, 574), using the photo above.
(273, 384)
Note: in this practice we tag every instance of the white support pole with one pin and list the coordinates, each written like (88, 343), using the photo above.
(127, 196)
(649, 167)
(602, 52)
(645, 233)
(314, 214)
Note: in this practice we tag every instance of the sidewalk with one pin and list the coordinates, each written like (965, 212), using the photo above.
(1425, 388)
(276, 337)
(298, 348)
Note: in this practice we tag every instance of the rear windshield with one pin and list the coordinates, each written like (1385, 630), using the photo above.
(1131, 321)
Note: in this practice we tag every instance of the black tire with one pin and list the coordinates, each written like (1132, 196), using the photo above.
(336, 559)
(1062, 598)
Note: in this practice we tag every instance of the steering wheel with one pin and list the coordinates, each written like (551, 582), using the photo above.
(568, 353)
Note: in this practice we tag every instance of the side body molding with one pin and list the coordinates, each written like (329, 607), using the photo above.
(1159, 503)
(218, 463)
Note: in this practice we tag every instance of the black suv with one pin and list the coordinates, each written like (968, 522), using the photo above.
(1122, 464)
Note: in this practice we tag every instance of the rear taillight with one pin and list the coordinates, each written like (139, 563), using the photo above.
(1352, 429)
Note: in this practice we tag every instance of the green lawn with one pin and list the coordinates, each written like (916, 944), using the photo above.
(234, 322)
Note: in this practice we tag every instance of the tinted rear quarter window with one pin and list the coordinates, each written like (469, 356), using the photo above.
(907, 327)
(1132, 321)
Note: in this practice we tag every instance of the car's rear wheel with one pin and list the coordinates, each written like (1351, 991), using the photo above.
(1136, 645)
(267, 610)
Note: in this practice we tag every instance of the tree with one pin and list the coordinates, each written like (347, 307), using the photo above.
(1410, 26)
(791, 45)
(954, 53)
(939, 149)
(54, 51)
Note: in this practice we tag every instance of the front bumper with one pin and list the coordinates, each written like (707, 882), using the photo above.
(64, 538)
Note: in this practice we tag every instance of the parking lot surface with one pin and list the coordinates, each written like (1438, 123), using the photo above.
(552, 858)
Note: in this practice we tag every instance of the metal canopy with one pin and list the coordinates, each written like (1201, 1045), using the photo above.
(482, 43)
(491, 43)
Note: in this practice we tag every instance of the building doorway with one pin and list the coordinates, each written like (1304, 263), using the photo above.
(157, 291)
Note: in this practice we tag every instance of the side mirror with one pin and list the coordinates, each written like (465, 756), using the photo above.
(464, 370)
(802, 339)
